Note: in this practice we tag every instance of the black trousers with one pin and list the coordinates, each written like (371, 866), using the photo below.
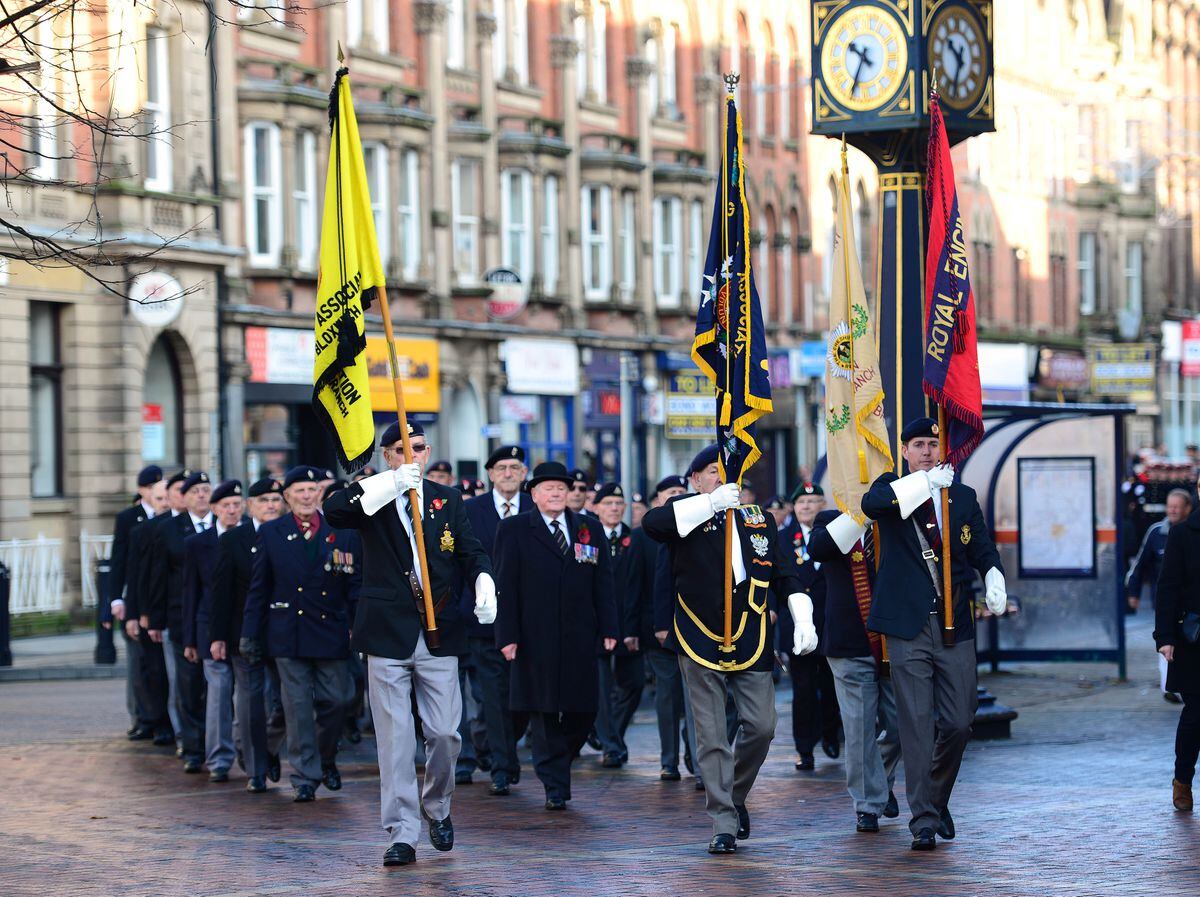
(190, 690)
(556, 738)
(504, 727)
(1187, 738)
(815, 714)
(622, 678)
(150, 683)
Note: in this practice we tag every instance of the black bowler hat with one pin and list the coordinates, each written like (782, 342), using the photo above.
(775, 504)
(392, 434)
(440, 467)
(610, 490)
(806, 489)
(706, 456)
(265, 486)
(228, 489)
(195, 480)
(149, 475)
(550, 471)
(504, 453)
(179, 476)
(302, 473)
(922, 426)
(671, 482)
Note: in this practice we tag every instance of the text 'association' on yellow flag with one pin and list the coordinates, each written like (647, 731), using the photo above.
(350, 271)
(857, 442)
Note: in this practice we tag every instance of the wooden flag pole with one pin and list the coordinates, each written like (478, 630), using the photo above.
(432, 638)
(731, 80)
(947, 592)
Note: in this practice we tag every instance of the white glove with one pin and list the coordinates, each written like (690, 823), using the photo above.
(485, 599)
(845, 531)
(724, 497)
(805, 640)
(996, 595)
(408, 476)
(941, 477)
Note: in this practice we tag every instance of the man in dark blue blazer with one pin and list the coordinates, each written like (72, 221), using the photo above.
(506, 470)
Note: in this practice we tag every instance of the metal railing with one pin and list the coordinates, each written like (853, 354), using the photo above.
(92, 550)
(36, 567)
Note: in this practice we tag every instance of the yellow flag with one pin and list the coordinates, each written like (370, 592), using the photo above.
(857, 442)
(350, 272)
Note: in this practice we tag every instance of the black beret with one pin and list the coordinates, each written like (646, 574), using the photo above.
(265, 486)
(329, 475)
(392, 434)
(195, 480)
(578, 475)
(440, 467)
(671, 482)
(180, 476)
(228, 489)
(503, 454)
(150, 475)
(610, 490)
(806, 489)
(466, 486)
(775, 504)
(707, 456)
(335, 486)
(480, 485)
(638, 497)
(302, 473)
(922, 426)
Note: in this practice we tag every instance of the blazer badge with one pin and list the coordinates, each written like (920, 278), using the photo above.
(760, 544)
(447, 540)
(965, 535)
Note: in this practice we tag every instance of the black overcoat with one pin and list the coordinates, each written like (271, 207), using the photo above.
(236, 549)
(1179, 593)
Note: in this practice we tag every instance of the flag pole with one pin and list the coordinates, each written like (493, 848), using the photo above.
(731, 80)
(947, 593)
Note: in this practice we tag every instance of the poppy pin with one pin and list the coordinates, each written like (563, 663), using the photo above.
(585, 537)
(330, 538)
(437, 503)
(626, 542)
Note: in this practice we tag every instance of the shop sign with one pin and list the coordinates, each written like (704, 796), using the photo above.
(280, 355)
(1189, 361)
(419, 369)
(602, 408)
(1172, 342)
(1004, 371)
(691, 407)
(156, 299)
(154, 434)
(509, 295)
(518, 409)
(1123, 370)
(809, 360)
(541, 366)
(1065, 369)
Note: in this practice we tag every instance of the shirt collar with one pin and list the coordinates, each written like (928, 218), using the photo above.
(149, 510)
(499, 499)
(206, 519)
(257, 523)
(561, 518)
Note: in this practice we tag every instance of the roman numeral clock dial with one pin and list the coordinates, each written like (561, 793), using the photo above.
(864, 58)
(956, 51)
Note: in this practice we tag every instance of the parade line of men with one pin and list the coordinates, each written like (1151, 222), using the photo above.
(291, 613)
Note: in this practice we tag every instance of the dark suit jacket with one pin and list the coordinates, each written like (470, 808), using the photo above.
(481, 513)
(810, 574)
(844, 633)
(164, 571)
(387, 622)
(639, 607)
(556, 609)
(236, 549)
(120, 570)
(199, 560)
(1179, 593)
(904, 590)
(627, 584)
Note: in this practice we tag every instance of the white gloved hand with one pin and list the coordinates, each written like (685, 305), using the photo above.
(941, 476)
(724, 497)
(485, 599)
(805, 639)
(845, 531)
(997, 594)
(408, 476)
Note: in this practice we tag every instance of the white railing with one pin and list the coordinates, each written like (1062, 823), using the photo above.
(36, 568)
(91, 550)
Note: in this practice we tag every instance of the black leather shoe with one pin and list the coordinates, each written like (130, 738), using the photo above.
(485, 764)
(867, 822)
(945, 827)
(499, 786)
(140, 733)
(924, 840)
(462, 778)
(555, 803)
(219, 775)
(330, 777)
(274, 771)
(831, 747)
(441, 833)
(162, 739)
(892, 808)
(670, 774)
(699, 784)
(256, 785)
(611, 761)
(192, 766)
(354, 736)
(304, 794)
(593, 742)
(743, 831)
(722, 844)
(399, 855)
(806, 762)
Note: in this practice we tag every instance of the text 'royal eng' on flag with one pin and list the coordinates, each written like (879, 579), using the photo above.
(730, 345)
(951, 364)
(856, 434)
(349, 274)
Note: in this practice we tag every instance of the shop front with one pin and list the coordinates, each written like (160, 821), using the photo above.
(538, 408)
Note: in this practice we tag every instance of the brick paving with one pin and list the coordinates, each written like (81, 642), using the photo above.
(1076, 803)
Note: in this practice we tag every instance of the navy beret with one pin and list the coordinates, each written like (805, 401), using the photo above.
(922, 426)
(504, 453)
(671, 482)
(228, 489)
(775, 504)
(335, 486)
(392, 434)
(707, 456)
(610, 490)
(806, 489)
(195, 480)
(180, 476)
(265, 486)
(150, 475)
(439, 467)
(302, 473)
(578, 475)
(638, 497)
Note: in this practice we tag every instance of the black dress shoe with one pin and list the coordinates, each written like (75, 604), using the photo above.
(743, 831)
(687, 762)
(399, 855)
(670, 774)
(924, 840)
(722, 844)
(140, 733)
(274, 770)
(867, 822)
(699, 784)
(832, 748)
(354, 736)
(304, 793)
(192, 766)
(593, 742)
(462, 778)
(945, 827)
(514, 778)
(499, 787)
(441, 833)
(256, 785)
(611, 761)
(162, 739)
(485, 764)
(330, 777)
(806, 762)
(555, 803)
(892, 808)
(219, 775)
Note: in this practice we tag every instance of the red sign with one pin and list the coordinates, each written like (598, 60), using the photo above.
(151, 414)
(1189, 361)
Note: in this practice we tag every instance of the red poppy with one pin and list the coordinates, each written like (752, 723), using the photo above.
(585, 537)
(626, 542)
(437, 503)
(798, 538)
(330, 538)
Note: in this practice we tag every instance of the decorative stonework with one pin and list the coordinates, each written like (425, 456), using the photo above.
(429, 14)
(563, 50)
(638, 69)
(708, 87)
(485, 25)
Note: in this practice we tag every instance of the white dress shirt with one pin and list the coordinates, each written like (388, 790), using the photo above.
(500, 500)
(406, 522)
(207, 520)
(562, 525)
(148, 510)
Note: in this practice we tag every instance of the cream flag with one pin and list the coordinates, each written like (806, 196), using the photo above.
(857, 442)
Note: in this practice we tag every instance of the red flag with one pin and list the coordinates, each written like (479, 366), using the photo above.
(951, 369)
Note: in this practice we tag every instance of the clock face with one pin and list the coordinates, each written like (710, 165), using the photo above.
(958, 52)
(864, 58)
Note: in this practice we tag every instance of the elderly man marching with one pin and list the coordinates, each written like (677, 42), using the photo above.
(390, 629)
(693, 529)
(934, 683)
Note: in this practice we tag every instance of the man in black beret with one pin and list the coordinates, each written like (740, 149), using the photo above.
(934, 683)
(580, 490)
(440, 472)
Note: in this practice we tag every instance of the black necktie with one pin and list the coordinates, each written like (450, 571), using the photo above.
(560, 537)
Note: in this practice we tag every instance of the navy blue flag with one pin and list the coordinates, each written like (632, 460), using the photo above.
(730, 346)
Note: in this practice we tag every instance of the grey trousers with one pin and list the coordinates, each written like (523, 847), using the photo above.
(392, 684)
(218, 715)
(668, 703)
(729, 771)
(935, 704)
(169, 663)
(139, 712)
(316, 695)
(869, 719)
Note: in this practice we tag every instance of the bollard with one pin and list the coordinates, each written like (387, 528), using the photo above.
(5, 630)
(106, 651)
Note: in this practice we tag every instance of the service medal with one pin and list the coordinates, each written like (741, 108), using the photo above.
(760, 544)
(447, 541)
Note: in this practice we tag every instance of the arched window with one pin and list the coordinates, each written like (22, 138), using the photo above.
(162, 407)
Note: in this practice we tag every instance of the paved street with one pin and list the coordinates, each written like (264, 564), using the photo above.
(1077, 803)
